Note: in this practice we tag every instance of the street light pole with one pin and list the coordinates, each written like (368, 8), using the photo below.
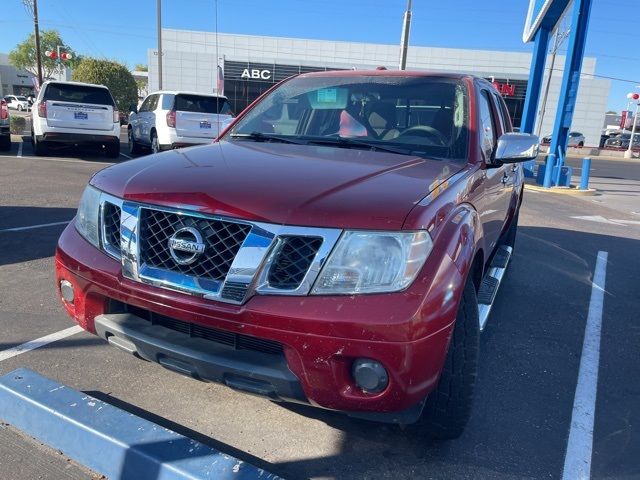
(32, 8)
(159, 27)
(404, 41)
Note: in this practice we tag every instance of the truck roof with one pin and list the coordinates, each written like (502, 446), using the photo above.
(75, 83)
(185, 92)
(387, 73)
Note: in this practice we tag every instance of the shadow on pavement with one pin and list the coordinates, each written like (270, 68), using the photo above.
(25, 245)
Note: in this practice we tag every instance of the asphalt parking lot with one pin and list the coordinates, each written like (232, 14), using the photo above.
(530, 351)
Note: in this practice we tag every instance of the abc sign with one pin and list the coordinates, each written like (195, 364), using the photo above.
(256, 74)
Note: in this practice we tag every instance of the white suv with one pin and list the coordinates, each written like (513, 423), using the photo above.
(168, 120)
(75, 113)
(17, 102)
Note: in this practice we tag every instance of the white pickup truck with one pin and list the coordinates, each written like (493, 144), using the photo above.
(170, 119)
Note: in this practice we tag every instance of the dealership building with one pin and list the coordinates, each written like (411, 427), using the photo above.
(252, 64)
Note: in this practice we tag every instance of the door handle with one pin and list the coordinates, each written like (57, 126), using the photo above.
(505, 178)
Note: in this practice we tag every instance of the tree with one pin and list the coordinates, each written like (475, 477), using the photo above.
(141, 67)
(23, 56)
(113, 75)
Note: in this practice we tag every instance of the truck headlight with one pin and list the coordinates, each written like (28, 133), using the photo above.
(373, 262)
(87, 216)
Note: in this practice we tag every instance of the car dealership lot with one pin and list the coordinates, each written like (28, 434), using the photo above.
(531, 351)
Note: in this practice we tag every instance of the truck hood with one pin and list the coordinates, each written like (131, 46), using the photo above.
(282, 183)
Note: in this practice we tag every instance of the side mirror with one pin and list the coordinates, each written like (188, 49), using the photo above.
(133, 108)
(517, 147)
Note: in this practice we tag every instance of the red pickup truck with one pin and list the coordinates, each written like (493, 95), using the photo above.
(340, 245)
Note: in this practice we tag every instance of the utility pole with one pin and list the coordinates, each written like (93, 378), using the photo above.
(559, 38)
(159, 19)
(404, 40)
(32, 7)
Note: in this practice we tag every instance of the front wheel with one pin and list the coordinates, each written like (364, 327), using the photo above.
(134, 147)
(155, 144)
(448, 407)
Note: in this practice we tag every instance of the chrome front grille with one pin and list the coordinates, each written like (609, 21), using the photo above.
(234, 259)
(222, 241)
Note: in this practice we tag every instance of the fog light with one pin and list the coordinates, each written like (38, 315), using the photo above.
(370, 375)
(66, 290)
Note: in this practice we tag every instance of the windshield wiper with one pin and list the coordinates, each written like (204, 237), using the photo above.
(350, 142)
(268, 137)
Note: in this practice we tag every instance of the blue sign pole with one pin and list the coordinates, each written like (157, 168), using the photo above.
(536, 75)
(571, 78)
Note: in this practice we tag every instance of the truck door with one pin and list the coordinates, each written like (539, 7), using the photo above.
(496, 200)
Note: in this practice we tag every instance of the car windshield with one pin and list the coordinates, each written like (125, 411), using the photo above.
(202, 104)
(426, 116)
(21, 98)
(78, 94)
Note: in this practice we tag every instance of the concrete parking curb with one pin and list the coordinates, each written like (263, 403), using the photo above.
(562, 190)
(108, 440)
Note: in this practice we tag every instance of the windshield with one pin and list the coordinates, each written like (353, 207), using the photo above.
(410, 115)
(202, 104)
(21, 98)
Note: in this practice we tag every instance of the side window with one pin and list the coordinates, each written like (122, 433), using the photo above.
(167, 101)
(504, 122)
(153, 102)
(145, 105)
(487, 125)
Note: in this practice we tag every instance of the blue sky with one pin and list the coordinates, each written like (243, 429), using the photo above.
(124, 29)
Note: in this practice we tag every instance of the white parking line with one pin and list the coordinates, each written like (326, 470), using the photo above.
(30, 227)
(20, 150)
(126, 156)
(577, 461)
(39, 342)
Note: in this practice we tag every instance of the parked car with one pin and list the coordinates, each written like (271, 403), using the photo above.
(5, 131)
(576, 139)
(17, 102)
(622, 141)
(350, 264)
(73, 113)
(171, 119)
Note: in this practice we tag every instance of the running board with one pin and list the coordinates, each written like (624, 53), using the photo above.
(491, 283)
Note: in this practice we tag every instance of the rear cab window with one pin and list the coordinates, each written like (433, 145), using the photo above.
(78, 94)
(201, 104)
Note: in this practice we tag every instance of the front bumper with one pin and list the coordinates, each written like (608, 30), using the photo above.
(407, 332)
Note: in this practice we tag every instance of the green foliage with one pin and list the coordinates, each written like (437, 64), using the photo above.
(113, 75)
(24, 55)
(17, 125)
(141, 67)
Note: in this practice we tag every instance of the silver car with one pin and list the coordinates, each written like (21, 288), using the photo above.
(576, 139)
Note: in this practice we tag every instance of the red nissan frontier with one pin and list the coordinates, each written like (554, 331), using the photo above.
(339, 245)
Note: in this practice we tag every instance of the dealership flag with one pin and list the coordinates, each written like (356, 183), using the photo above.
(220, 81)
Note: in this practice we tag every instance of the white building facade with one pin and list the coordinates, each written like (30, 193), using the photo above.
(252, 64)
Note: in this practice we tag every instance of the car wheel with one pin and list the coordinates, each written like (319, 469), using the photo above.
(448, 407)
(155, 144)
(134, 147)
(39, 147)
(5, 142)
(19, 108)
(581, 144)
(113, 149)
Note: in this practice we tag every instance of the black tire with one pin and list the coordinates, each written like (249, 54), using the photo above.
(134, 147)
(581, 144)
(20, 108)
(448, 407)
(113, 149)
(5, 143)
(155, 143)
(40, 149)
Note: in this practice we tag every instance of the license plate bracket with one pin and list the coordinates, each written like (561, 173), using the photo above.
(205, 124)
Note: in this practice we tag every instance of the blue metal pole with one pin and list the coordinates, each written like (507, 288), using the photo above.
(584, 178)
(548, 170)
(536, 74)
(571, 76)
